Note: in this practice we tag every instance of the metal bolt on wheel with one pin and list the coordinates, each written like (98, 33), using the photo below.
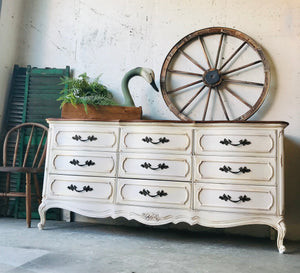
(215, 74)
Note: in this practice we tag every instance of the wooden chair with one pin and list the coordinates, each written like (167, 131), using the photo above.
(24, 151)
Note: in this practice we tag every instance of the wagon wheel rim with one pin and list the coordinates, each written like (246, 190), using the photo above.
(213, 76)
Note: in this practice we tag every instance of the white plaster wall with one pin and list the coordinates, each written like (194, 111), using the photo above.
(111, 37)
(10, 20)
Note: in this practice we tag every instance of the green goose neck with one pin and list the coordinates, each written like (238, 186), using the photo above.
(128, 101)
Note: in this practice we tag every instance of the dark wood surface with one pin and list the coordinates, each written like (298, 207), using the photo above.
(101, 112)
(179, 121)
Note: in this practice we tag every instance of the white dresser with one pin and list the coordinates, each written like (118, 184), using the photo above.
(215, 174)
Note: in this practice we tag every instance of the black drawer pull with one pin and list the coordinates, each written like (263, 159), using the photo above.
(228, 169)
(89, 138)
(87, 163)
(242, 142)
(159, 166)
(74, 188)
(158, 193)
(227, 197)
(161, 140)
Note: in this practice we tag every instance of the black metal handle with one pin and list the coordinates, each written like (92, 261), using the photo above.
(160, 140)
(227, 169)
(85, 188)
(89, 138)
(87, 163)
(227, 197)
(159, 166)
(158, 193)
(242, 142)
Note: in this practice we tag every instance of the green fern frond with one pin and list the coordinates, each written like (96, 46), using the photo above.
(83, 91)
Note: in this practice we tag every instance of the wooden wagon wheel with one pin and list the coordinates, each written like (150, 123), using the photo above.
(215, 74)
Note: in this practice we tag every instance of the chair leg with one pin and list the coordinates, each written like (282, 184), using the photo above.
(7, 189)
(28, 199)
(37, 188)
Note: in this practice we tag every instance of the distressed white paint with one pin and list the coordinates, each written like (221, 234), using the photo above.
(111, 37)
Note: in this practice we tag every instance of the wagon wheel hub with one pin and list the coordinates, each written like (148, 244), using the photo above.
(212, 78)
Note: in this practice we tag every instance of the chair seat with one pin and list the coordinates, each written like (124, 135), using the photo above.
(21, 169)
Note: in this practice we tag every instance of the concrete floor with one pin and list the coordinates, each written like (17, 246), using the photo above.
(87, 248)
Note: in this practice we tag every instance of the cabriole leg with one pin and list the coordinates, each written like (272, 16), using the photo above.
(42, 213)
(281, 229)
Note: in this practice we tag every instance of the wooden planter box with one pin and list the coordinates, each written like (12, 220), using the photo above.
(101, 112)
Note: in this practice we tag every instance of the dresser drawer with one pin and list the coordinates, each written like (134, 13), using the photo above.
(87, 137)
(162, 139)
(154, 193)
(237, 170)
(252, 199)
(85, 163)
(81, 187)
(155, 166)
(258, 142)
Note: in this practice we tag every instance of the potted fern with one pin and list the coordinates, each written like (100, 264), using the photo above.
(83, 98)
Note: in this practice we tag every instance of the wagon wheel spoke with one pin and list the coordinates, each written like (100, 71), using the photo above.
(206, 105)
(222, 103)
(184, 86)
(204, 50)
(191, 59)
(234, 53)
(243, 82)
(219, 50)
(241, 67)
(238, 97)
(192, 99)
(184, 72)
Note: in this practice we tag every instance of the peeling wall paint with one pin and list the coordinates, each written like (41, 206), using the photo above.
(111, 37)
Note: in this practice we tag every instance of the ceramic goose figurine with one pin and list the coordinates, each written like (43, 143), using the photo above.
(146, 73)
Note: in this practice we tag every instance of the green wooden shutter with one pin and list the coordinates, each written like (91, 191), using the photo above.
(15, 105)
(43, 90)
(33, 98)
